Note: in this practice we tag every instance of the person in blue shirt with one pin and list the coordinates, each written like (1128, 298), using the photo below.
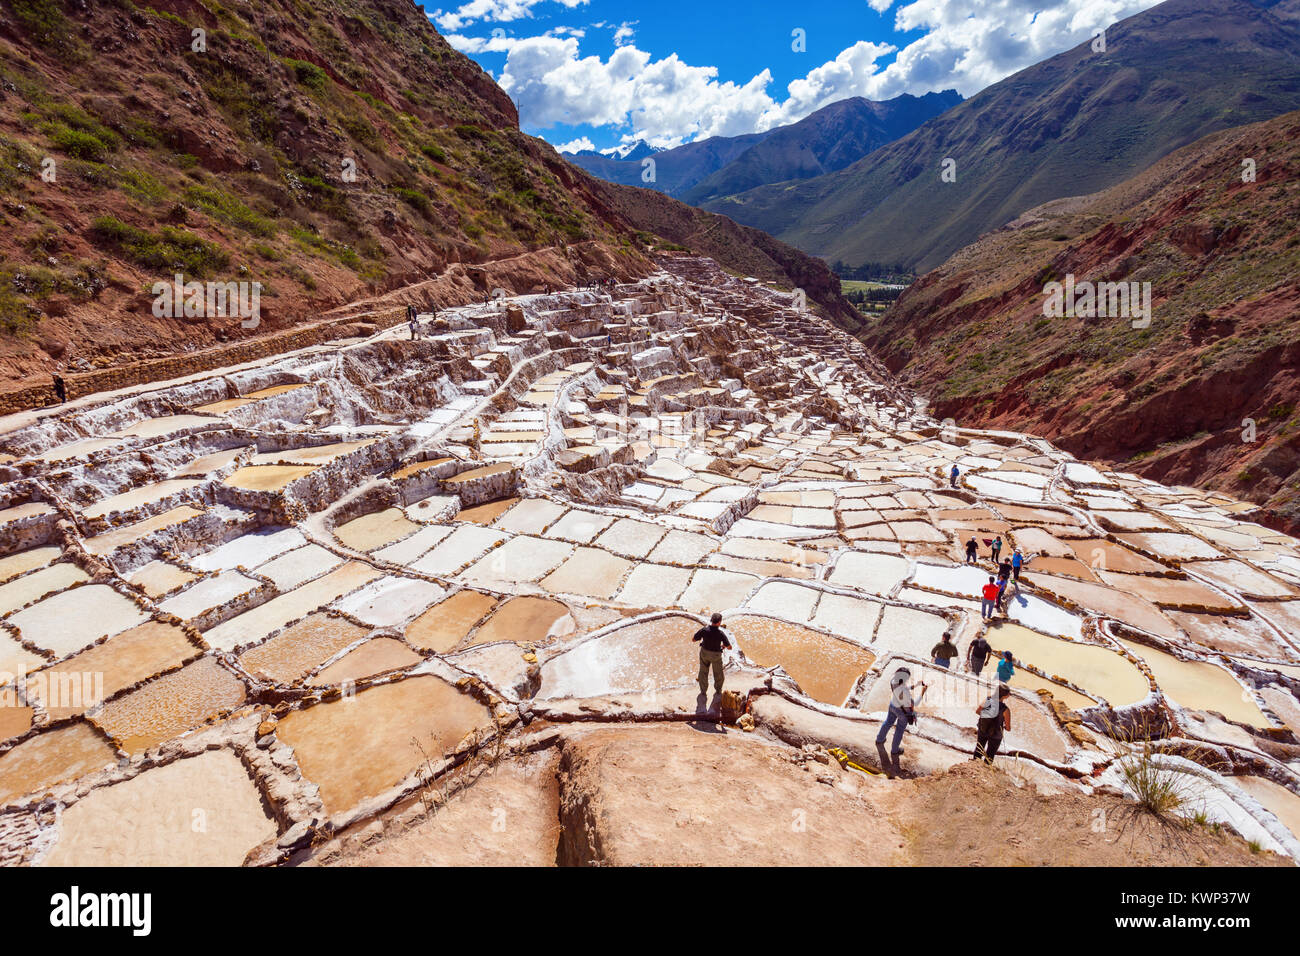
(1017, 559)
(1006, 669)
(952, 476)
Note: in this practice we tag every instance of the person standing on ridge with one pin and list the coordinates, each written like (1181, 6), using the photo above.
(994, 719)
(713, 640)
(996, 549)
(943, 652)
(990, 598)
(1017, 560)
(978, 654)
(953, 476)
(413, 321)
(60, 389)
(972, 550)
(1006, 668)
(902, 710)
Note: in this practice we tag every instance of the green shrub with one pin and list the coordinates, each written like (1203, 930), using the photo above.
(170, 250)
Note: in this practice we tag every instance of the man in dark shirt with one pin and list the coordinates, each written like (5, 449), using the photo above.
(713, 639)
(978, 654)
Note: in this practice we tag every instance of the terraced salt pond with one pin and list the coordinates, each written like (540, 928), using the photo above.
(279, 591)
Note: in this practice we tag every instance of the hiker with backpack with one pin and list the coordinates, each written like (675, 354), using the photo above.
(902, 709)
(994, 720)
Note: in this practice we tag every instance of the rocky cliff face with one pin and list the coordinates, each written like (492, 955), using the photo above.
(331, 151)
(1207, 393)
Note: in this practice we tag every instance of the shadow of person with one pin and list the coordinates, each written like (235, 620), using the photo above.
(888, 763)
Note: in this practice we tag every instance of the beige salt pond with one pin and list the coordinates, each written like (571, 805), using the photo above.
(23, 591)
(359, 747)
(267, 477)
(487, 513)
(24, 561)
(375, 530)
(56, 756)
(120, 537)
(825, 667)
(589, 572)
(1095, 669)
(152, 819)
(158, 578)
(298, 650)
(1198, 685)
(166, 425)
(171, 705)
(1276, 799)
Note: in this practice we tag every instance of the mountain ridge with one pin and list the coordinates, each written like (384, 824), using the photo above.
(1075, 123)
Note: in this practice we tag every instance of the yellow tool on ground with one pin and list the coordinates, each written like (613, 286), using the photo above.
(844, 760)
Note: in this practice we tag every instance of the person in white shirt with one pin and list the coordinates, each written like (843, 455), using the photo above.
(901, 709)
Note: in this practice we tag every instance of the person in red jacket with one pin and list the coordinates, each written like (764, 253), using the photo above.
(989, 605)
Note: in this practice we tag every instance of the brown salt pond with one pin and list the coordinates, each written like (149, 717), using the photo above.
(825, 667)
(525, 619)
(14, 720)
(359, 747)
(1232, 635)
(446, 624)
(375, 656)
(53, 757)
(201, 811)
(1276, 799)
(1124, 606)
(487, 513)
(1096, 669)
(119, 662)
(300, 649)
(415, 467)
(1067, 566)
(1172, 592)
(267, 477)
(376, 529)
(1198, 685)
(171, 705)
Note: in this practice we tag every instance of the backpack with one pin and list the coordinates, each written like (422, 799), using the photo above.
(991, 707)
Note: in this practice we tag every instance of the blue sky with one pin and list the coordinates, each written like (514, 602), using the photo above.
(604, 72)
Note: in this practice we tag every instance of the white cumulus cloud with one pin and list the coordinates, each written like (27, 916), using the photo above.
(964, 45)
